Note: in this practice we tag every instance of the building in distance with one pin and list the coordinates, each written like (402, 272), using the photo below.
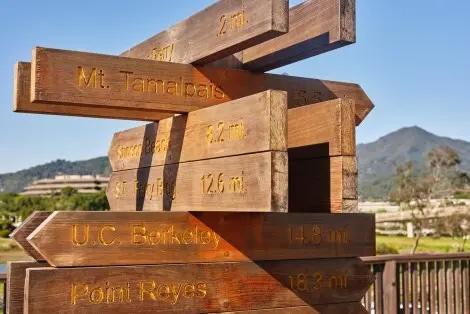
(83, 184)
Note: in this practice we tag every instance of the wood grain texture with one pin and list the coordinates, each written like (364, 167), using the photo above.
(16, 274)
(25, 229)
(323, 184)
(195, 288)
(253, 182)
(22, 103)
(226, 27)
(163, 86)
(340, 308)
(252, 124)
(315, 27)
(325, 129)
(133, 238)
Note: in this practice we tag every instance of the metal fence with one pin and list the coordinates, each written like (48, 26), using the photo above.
(437, 283)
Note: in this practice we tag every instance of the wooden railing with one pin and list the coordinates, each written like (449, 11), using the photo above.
(419, 284)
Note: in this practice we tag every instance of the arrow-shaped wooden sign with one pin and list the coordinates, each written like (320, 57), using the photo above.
(132, 238)
(92, 80)
(22, 103)
(252, 124)
(226, 27)
(16, 274)
(247, 125)
(315, 26)
(253, 182)
(195, 288)
(25, 229)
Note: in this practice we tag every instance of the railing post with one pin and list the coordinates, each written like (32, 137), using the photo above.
(390, 287)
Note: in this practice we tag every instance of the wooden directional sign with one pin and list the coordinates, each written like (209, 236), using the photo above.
(325, 129)
(25, 229)
(16, 274)
(195, 288)
(241, 126)
(22, 103)
(326, 184)
(253, 182)
(343, 308)
(132, 238)
(315, 26)
(251, 124)
(226, 27)
(89, 80)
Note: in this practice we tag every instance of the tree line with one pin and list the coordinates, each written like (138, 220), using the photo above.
(413, 189)
(15, 207)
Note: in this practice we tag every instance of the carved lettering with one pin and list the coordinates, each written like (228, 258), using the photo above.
(171, 236)
(100, 294)
(230, 23)
(311, 282)
(225, 132)
(95, 79)
(135, 83)
(317, 234)
(163, 54)
(215, 184)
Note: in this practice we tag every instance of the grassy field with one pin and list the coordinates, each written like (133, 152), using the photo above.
(10, 251)
(426, 245)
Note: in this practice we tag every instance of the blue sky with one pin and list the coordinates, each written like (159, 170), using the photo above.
(411, 57)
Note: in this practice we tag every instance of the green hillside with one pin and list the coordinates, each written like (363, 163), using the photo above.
(15, 182)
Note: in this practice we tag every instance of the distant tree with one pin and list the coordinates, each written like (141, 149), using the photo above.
(413, 190)
(456, 225)
(14, 207)
(442, 165)
(412, 193)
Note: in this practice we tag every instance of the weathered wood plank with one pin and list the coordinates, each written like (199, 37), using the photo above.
(25, 229)
(22, 103)
(86, 79)
(132, 238)
(253, 182)
(342, 308)
(251, 124)
(325, 129)
(16, 274)
(323, 184)
(226, 27)
(315, 27)
(318, 130)
(195, 288)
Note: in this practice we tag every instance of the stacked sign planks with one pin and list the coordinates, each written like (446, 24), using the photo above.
(240, 194)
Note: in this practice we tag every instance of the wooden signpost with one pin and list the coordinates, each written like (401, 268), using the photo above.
(251, 124)
(21, 233)
(326, 184)
(226, 27)
(88, 80)
(253, 182)
(195, 288)
(133, 238)
(198, 197)
(16, 274)
(22, 103)
(315, 26)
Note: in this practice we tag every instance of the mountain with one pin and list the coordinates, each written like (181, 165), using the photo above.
(15, 182)
(378, 160)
